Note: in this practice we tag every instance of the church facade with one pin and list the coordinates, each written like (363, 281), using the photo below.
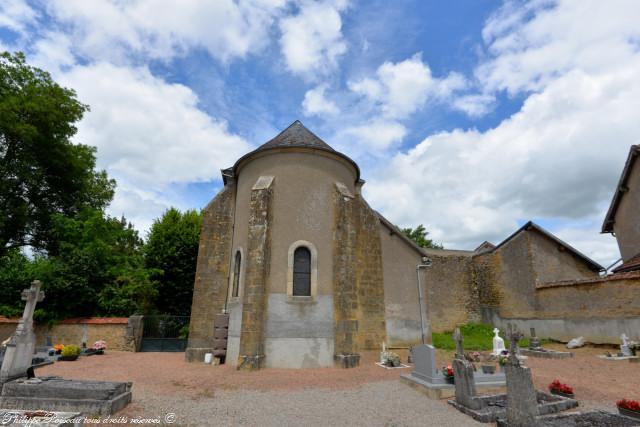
(309, 275)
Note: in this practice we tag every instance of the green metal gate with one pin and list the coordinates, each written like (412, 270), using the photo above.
(165, 333)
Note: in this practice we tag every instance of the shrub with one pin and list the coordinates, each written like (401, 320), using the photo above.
(70, 350)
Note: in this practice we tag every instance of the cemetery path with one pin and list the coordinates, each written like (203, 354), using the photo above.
(203, 395)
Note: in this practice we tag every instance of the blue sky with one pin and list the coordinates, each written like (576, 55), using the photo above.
(469, 116)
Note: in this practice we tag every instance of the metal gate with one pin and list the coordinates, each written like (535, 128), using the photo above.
(165, 333)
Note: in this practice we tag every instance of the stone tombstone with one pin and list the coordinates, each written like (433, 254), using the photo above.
(522, 402)
(498, 343)
(463, 373)
(534, 342)
(624, 347)
(19, 352)
(457, 338)
(424, 359)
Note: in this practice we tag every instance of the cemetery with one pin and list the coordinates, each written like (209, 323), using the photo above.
(176, 248)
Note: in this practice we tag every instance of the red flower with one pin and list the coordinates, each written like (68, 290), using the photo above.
(632, 405)
(556, 385)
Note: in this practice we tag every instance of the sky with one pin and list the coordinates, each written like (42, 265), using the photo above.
(469, 116)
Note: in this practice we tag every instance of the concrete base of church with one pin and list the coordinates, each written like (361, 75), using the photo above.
(299, 352)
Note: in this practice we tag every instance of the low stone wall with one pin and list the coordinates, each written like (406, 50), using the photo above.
(599, 309)
(113, 330)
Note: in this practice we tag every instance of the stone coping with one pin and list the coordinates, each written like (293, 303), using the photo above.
(590, 281)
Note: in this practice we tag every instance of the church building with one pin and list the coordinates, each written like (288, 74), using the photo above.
(296, 270)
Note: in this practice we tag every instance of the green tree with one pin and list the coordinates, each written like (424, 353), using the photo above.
(41, 172)
(172, 247)
(419, 235)
(98, 260)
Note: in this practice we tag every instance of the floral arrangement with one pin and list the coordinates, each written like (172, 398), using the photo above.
(99, 345)
(447, 371)
(58, 348)
(70, 350)
(503, 358)
(631, 405)
(390, 358)
(557, 386)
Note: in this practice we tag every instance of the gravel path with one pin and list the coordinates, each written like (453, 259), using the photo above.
(204, 395)
(387, 403)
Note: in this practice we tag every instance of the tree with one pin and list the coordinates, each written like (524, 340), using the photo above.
(41, 172)
(419, 235)
(172, 247)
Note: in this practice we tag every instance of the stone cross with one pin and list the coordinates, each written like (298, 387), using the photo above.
(19, 352)
(513, 335)
(457, 337)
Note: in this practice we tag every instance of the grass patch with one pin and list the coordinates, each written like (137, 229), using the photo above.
(477, 337)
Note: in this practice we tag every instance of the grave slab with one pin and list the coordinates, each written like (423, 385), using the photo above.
(57, 394)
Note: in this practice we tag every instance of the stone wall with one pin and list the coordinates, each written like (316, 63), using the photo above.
(76, 331)
(212, 272)
(449, 290)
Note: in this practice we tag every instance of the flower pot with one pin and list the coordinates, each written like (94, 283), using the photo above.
(560, 393)
(629, 413)
(68, 358)
(488, 369)
(450, 380)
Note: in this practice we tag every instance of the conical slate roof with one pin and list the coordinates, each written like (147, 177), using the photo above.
(294, 136)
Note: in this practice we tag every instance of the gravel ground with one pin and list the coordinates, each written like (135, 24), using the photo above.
(204, 395)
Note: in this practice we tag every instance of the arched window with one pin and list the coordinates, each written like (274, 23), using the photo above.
(236, 275)
(302, 272)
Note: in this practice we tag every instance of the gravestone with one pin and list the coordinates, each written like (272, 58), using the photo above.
(522, 403)
(534, 341)
(19, 352)
(424, 358)
(463, 373)
(498, 343)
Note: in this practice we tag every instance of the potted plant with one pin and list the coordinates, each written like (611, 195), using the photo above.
(560, 389)
(69, 353)
(447, 371)
(99, 347)
(629, 408)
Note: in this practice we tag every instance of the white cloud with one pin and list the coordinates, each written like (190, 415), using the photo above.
(529, 54)
(402, 88)
(147, 131)
(376, 136)
(16, 15)
(315, 102)
(312, 40)
(557, 159)
(474, 105)
(108, 30)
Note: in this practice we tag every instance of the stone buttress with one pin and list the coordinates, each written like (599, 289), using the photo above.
(212, 272)
(358, 287)
(254, 308)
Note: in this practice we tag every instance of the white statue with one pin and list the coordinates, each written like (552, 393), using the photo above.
(624, 347)
(498, 343)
